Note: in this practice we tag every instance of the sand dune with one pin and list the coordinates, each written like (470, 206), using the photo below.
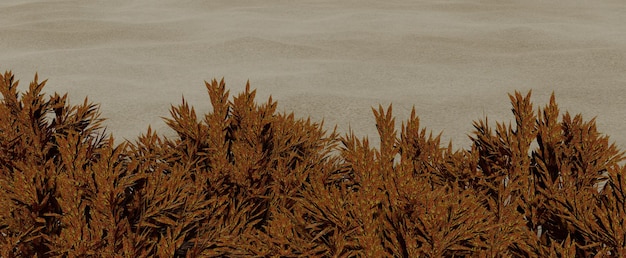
(455, 61)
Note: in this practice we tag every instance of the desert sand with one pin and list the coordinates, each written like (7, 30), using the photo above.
(455, 61)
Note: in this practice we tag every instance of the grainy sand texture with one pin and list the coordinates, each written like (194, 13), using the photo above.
(455, 61)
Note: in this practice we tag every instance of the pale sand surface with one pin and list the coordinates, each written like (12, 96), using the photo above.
(455, 61)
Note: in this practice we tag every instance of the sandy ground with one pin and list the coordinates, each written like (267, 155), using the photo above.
(455, 61)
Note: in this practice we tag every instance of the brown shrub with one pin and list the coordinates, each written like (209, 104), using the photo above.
(244, 180)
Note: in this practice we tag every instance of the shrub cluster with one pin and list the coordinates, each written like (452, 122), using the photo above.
(244, 180)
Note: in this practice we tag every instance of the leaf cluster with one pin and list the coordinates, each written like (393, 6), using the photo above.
(244, 180)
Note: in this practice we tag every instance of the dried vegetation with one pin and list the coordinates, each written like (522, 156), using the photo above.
(246, 181)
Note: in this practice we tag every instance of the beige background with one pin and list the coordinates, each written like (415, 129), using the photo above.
(455, 61)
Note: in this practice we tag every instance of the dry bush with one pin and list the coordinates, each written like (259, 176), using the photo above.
(43, 142)
(246, 181)
(553, 192)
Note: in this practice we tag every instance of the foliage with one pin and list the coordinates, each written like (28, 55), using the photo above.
(244, 180)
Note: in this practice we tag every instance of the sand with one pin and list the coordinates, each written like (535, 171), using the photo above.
(455, 61)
